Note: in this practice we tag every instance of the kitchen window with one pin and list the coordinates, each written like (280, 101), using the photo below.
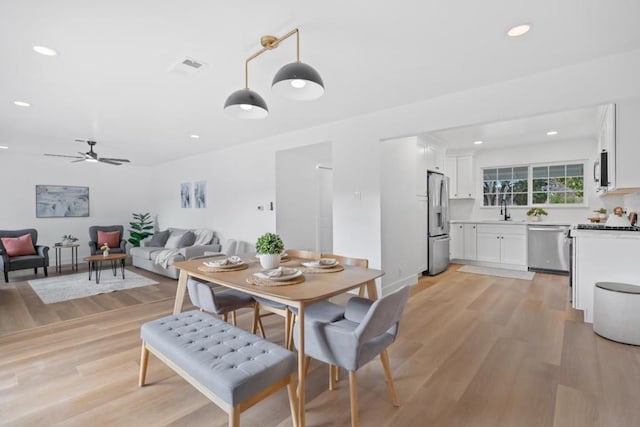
(550, 184)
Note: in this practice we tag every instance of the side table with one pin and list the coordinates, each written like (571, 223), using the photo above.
(74, 256)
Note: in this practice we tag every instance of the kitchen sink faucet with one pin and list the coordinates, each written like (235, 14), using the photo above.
(506, 215)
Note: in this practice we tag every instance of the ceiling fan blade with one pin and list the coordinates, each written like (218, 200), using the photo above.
(115, 160)
(80, 160)
(108, 162)
(81, 140)
(61, 155)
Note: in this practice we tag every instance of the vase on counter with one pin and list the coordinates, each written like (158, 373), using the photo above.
(105, 253)
(534, 218)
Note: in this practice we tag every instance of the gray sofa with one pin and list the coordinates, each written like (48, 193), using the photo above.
(145, 256)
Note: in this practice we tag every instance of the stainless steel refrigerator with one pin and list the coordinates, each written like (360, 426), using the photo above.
(438, 222)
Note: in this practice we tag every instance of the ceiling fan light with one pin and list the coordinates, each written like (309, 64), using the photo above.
(246, 104)
(90, 160)
(298, 81)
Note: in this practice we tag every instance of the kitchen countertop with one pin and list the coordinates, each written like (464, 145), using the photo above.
(514, 222)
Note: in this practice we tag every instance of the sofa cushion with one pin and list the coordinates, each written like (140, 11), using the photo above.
(173, 258)
(187, 239)
(111, 238)
(203, 237)
(159, 239)
(17, 246)
(174, 240)
(144, 252)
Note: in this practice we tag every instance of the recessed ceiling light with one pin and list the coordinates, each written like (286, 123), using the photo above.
(46, 51)
(3, 147)
(478, 142)
(22, 104)
(552, 132)
(519, 30)
(194, 136)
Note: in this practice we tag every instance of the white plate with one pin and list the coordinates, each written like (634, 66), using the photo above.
(294, 273)
(217, 264)
(328, 263)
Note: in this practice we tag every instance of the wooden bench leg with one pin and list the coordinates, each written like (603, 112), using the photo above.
(293, 400)
(144, 359)
(234, 416)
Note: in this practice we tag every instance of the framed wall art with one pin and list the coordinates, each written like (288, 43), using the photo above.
(60, 201)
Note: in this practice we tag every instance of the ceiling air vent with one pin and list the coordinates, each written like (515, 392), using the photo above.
(187, 66)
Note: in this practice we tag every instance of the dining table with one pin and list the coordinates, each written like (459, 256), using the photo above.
(317, 286)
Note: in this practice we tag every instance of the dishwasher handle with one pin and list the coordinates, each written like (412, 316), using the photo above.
(554, 229)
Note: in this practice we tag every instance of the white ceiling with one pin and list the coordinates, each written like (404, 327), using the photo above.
(582, 124)
(110, 81)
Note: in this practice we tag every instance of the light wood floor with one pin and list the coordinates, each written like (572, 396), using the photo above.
(472, 351)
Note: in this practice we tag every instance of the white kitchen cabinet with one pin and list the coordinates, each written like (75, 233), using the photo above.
(627, 143)
(428, 157)
(435, 158)
(463, 241)
(502, 244)
(457, 245)
(470, 242)
(459, 169)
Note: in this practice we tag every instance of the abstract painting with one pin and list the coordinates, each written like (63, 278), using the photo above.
(200, 194)
(185, 195)
(57, 201)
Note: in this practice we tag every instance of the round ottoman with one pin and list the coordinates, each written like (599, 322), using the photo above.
(616, 312)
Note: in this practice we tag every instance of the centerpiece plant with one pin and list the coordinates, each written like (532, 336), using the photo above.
(535, 214)
(269, 248)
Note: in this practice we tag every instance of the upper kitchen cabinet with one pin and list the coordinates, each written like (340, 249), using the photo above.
(429, 156)
(459, 169)
(627, 145)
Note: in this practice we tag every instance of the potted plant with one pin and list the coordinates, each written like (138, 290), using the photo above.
(602, 213)
(68, 239)
(269, 248)
(534, 214)
(140, 227)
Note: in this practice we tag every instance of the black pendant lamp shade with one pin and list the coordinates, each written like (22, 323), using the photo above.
(298, 81)
(246, 104)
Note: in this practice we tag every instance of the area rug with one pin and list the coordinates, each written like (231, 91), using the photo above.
(63, 288)
(499, 272)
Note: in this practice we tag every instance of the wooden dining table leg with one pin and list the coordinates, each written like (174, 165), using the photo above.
(301, 367)
(372, 291)
(182, 287)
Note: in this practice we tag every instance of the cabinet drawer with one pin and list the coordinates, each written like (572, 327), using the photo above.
(519, 229)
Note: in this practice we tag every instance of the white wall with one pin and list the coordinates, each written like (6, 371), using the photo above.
(562, 151)
(115, 192)
(399, 212)
(243, 177)
(297, 197)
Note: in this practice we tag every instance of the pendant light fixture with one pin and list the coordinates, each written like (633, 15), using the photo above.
(297, 81)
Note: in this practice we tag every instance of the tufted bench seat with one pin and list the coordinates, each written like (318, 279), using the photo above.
(232, 367)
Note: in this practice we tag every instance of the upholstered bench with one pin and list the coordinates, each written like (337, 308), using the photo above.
(232, 367)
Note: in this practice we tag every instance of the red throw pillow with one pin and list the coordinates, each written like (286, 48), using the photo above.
(111, 238)
(16, 246)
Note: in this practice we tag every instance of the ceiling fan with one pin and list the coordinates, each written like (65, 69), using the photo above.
(91, 156)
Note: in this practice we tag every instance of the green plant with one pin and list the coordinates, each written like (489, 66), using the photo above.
(69, 238)
(601, 210)
(140, 227)
(269, 243)
(536, 212)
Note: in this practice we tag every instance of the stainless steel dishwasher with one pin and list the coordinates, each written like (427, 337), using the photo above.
(549, 248)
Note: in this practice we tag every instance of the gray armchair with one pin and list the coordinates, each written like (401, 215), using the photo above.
(21, 262)
(367, 329)
(94, 244)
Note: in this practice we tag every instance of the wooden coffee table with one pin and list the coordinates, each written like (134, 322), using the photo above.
(95, 263)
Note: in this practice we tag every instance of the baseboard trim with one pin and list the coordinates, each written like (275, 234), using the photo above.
(394, 286)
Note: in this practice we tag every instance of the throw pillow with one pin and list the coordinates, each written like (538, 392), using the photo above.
(17, 246)
(173, 240)
(159, 239)
(111, 238)
(187, 239)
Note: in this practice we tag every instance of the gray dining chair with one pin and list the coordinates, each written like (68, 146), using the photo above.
(367, 329)
(220, 301)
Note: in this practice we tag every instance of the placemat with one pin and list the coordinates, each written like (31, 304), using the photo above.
(313, 270)
(220, 269)
(253, 280)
